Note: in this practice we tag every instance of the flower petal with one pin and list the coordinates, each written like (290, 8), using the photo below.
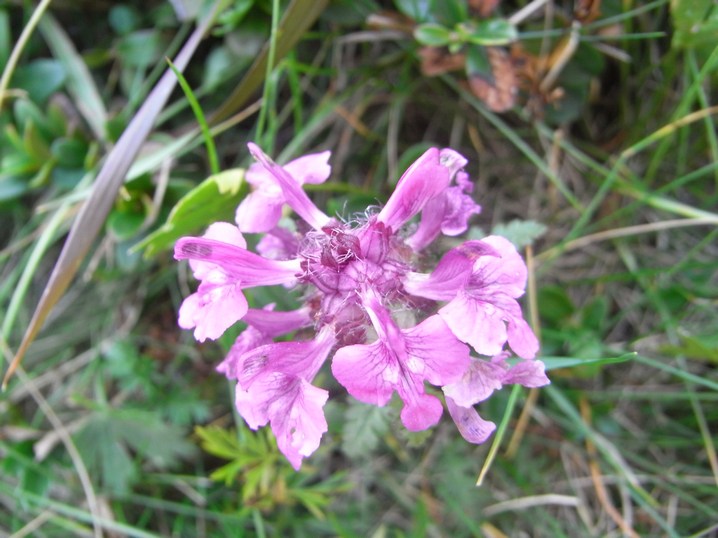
(470, 425)
(478, 382)
(429, 176)
(259, 212)
(293, 193)
(212, 310)
(247, 267)
(529, 373)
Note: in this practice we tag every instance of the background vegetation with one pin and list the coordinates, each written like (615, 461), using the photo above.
(590, 129)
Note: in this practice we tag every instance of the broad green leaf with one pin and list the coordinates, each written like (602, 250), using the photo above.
(521, 233)
(364, 426)
(215, 199)
(40, 79)
(488, 33)
(432, 35)
(418, 10)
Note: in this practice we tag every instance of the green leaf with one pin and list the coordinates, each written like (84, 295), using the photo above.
(418, 10)
(695, 23)
(488, 33)
(69, 152)
(40, 79)
(432, 35)
(554, 304)
(521, 233)
(124, 19)
(214, 199)
(364, 426)
(140, 49)
(123, 225)
(5, 35)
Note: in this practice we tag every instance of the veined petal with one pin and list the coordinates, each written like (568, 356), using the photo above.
(470, 425)
(478, 382)
(292, 406)
(451, 274)
(478, 323)
(507, 271)
(528, 373)
(251, 269)
(262, 326)
(435, 353)
(367, 371)
(293, 193)
(300, 359)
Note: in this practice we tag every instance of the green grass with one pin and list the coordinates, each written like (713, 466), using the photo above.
(116, 421)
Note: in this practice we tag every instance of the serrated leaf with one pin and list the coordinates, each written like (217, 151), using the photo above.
(219, 442)
(215, 199)
(521, 233)
(364, 425)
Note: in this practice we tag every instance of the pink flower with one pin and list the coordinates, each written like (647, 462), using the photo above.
(387, 327)
(273, 386)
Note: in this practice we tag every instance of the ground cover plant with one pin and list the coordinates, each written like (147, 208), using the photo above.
(587, 131)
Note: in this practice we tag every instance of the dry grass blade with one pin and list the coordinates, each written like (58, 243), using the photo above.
(95, 210)
(300, 15)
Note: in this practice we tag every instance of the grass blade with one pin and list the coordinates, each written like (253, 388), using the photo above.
(300, 15)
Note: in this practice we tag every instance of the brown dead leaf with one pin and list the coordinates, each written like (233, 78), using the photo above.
(586, 11)
(437, 61)
(483, 7)
(499, 91)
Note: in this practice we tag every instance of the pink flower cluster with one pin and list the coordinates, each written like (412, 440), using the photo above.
(371, 301)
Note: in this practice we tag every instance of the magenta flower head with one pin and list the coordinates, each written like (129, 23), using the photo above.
(371, 308)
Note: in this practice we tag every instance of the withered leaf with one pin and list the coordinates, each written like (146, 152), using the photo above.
(499, 89)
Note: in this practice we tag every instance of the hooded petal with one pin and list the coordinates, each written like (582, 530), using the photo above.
(292, 191)
(219, 231)
(240, 264)
(261, 210)
(429, 176)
